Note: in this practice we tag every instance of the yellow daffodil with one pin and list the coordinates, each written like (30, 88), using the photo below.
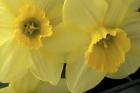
(29, 84)
(31, 39)
(106, 36)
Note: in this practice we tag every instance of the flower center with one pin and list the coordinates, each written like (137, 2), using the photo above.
(105, 41)
(107, 50)
(32, 27)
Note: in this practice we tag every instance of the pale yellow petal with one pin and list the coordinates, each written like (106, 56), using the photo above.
(14, 5)
(80, 77)
(129, 67)
(14, 61)
(53, 9)
(61, 87)
(7, 90)
(6, 21)
(47, 66)
(133, 7)
(116, 12)
(66, 38)
(132, 25)
(84, 13)
(25, 84)
(31, 85)
(132, 61)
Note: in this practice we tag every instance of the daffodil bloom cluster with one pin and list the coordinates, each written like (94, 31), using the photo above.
(95, 38)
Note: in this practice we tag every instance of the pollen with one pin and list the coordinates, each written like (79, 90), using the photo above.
(32, 26)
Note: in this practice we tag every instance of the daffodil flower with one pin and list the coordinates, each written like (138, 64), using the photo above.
(106, 36)
(29, 84)
(31, 39)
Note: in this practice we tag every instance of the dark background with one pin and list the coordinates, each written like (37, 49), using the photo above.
(131, 84)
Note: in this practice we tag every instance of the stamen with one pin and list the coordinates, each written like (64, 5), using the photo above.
(105, 44)
(105, 41)
(31, 27)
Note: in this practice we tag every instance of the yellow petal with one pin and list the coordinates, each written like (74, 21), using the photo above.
(132, 25)
(7, 90)
(30, 85)
(132, 62)
(14, 61)
(134, 6)
(66, 38)
(84, 13)
(6, 21)
(116, 14)
(61, 87)
(47, 66)
(26, 84)
(129, 67)
(54, 13)
(80, 77)
(13, 6)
